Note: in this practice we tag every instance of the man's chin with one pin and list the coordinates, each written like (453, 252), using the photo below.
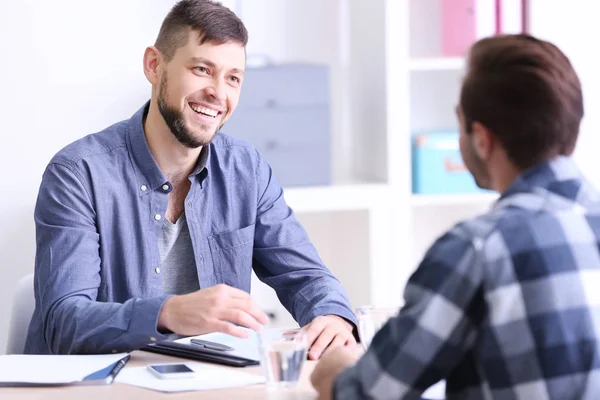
(204, 138)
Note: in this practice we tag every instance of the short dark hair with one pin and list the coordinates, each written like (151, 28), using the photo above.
(527, 93)
(214, 22)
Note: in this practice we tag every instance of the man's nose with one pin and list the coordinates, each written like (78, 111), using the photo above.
(217, 89)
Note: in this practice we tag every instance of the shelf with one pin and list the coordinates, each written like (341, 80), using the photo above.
(335, 197)
(426, 200)
(436, 64)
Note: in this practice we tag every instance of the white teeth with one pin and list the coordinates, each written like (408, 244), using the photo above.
(205, 110)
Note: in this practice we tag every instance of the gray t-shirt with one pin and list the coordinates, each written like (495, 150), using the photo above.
(177, 258)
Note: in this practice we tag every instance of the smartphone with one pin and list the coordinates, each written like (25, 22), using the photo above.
(171, 371)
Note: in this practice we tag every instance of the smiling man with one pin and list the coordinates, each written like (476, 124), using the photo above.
(152, 226)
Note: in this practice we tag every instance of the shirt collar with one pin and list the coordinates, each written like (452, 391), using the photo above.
(202, 160)
(148, 172)
(556, 178)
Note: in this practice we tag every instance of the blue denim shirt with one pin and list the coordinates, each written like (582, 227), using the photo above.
(98, 217)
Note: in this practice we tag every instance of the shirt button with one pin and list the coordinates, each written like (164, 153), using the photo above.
(165, 187)
(157, 270)
(114, 352)
(157, 217)
(143, 188)
(152, 339)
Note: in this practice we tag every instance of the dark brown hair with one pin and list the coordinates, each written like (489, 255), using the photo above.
(214, 22)
(527, 93)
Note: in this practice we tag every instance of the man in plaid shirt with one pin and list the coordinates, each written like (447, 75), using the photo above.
(506, 305)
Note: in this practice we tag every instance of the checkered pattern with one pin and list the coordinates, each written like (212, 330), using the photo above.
(504, 306)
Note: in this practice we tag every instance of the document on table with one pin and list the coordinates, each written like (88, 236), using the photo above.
(207, 377)
(52, 369)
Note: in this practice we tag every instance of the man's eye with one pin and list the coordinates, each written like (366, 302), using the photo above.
(202, 70)
(235, 79)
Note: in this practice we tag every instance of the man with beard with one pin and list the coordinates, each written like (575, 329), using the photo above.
(151, 227)
(505, 305)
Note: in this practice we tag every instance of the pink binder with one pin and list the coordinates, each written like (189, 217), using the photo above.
(458, 26)
(465, 21)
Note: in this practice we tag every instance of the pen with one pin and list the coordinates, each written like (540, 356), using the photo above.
(106, 375)
(117, 368)
(211, 345)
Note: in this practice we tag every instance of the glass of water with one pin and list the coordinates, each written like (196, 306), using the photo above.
(282, 355)
(370, 320)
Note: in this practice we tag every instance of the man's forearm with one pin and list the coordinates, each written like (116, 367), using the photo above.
(78, 325)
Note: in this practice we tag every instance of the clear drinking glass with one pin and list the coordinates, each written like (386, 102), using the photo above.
(370, 320)
(282, 355)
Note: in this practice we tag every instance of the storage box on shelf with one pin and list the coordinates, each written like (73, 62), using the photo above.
(284, 112)
(437, 165)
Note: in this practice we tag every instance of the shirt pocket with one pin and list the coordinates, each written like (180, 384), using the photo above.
(232, 256)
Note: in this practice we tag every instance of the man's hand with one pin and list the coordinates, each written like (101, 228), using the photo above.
(330, 366)
(215, 309)
(328, 332)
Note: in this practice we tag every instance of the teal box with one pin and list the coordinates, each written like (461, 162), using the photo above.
(437, 165)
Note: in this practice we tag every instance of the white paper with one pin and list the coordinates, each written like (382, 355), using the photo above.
(207, 378)
(51, 369)
(247, 348)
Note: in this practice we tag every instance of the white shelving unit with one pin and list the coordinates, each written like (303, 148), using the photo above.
(434, 93)
(426, 200)
(335, 198)
(436, 63)
(387, 81)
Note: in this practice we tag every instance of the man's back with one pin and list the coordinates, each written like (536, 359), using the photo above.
(541, 286)
(504, 306)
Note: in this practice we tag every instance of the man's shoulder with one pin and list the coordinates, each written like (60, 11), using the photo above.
(93, 144)
(231, 149)
(504, 232)
(477, 230)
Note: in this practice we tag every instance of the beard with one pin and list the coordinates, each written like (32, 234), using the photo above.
(176, 122)
(476, 166)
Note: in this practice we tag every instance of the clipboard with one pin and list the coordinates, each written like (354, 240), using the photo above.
(197, 353)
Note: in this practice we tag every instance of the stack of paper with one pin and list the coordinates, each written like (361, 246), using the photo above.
(207, 378)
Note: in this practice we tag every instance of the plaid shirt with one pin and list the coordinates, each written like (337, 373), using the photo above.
(503, 306)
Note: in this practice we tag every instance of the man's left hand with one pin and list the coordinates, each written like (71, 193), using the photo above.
(328, 332)
(330, 366)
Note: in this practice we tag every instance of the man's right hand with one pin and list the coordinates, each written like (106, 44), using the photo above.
(215, 309)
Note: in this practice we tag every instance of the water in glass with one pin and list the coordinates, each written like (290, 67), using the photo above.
(282, 355)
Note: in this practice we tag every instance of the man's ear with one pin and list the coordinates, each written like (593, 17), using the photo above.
(482, 140)
(152, 63)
